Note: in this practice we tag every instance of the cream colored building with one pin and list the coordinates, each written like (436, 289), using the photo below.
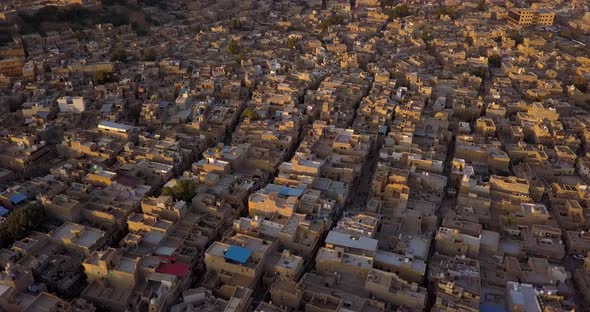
(526, 17)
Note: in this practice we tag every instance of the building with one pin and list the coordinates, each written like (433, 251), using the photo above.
(79, 238)
(71, 104)
(527, 17)
(391, 288)
(114, 128)
(522, 297)
(12, 67)
(239, 260)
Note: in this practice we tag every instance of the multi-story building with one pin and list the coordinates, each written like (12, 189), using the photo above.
(526, 17)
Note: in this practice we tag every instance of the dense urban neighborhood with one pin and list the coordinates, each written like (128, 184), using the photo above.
(294, 155)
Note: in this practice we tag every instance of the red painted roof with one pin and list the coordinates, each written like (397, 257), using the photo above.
(176, 269)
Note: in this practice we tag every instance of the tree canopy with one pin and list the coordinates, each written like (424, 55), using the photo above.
(250, 114)
(234, 47)
(481, 5)
(183, 190)
(516, 36)
(149, 54)
(479, 72)
(119, 55)
(399, 11)
(20, 222)
(102, 77)
(581, 84)
(495, 60)
(445, 10)
(76, 16)
(333, 19)
(292, 42)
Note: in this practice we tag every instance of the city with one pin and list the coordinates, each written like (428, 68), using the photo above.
(294, 155)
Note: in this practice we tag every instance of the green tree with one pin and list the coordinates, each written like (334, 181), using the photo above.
(516, 36)
(387, 3)
(250, 114)
(565, 33)
(495, 60)
(402, 82)
(20, 222)
(235, 24)
(149, 55)
(183, 190)
(445, 10)
(581, 84)
(509, 219)
(333, 19)
(425, 35)
(79, 35)
(574, 33)
(234, 47)
(167, 191)
(75, 16)
(399, 11)
(292, 42)
(119, 55)
(117, 17)
(14, 103)
(481, 5)
(478, 72)
(102, 77)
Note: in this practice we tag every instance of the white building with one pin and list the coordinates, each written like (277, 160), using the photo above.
(71, 104)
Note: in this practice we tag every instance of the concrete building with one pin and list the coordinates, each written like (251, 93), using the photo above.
(71, 104)
(527, 17)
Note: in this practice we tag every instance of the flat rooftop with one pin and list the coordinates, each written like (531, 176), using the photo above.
(78, 234)
(237, 254)
(400, 261)
(105, 292)
(351, 241)
(44, 302)
(325, 254)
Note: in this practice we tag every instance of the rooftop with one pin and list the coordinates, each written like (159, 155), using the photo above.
(238, 254)
(351, 241)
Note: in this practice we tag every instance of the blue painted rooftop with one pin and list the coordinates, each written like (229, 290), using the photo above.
(3, 211)
(287, 191)
(283, 190)
(269, 188)
(238, 254)
(17, 198)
